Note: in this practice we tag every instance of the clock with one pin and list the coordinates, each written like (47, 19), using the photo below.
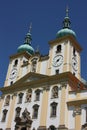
(13, 73)
(57, 60)
(74, 63)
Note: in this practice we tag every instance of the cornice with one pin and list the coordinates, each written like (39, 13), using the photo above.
(68, 37)
(27, 55)
(78, 101)
(66, 77)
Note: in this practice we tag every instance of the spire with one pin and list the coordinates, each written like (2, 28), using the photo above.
(28, 37)
(30, 27)
(67, 11)
(66, 22)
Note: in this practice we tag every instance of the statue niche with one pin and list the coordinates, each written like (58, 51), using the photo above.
(24, 122)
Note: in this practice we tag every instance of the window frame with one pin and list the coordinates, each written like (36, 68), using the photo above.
(20, 97)
(35, 111)
(53, 109)
(4, 115)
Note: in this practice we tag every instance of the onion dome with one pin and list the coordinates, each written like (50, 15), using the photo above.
(66, 28)
(27, 44)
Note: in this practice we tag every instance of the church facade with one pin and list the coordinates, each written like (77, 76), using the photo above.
(45, 91)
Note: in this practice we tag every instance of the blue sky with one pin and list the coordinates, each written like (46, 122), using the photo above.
(46, 17)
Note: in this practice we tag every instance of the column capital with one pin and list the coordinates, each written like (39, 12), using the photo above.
(77, 111)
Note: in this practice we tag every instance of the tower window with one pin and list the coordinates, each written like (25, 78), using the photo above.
(53, 109)
(57, 71)
(4, 115)
(35, 111)
(74, 52)
(11, 82)
(20, 98)
(16, 62)
(58, 49)
(18, 110)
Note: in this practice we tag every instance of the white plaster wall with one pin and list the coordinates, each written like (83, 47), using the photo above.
(83, 114)
(71, 118)
(43, 67)
(24, 70)
(72, 95)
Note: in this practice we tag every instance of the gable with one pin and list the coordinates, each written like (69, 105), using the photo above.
(31, 76)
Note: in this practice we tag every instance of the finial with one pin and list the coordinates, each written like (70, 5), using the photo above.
(67, 11)
(30, 27)
(37, 49)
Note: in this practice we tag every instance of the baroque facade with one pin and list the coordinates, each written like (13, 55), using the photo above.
(45, 91)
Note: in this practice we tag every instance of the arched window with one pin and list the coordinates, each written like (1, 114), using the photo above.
(28, 95)
(7, 100)
(4, 115)
(53, 109)
(17, 113)
(58, 49)
(52, 127)
(16, 62)
(34, 65)
(20, 96)
(37, 95)
(35, 111)
(54, 92)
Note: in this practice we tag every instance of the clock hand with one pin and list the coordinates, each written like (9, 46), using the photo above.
(58, 59)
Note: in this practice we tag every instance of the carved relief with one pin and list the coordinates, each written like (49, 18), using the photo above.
(77, 111)
(24, 122)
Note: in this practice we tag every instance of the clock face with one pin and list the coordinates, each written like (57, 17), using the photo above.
(74, 63)
(57, 60)
(13, 73)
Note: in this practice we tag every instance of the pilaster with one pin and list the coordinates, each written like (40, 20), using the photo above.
(12, 106)
(77, 114)
(62, 108)
(43, 117)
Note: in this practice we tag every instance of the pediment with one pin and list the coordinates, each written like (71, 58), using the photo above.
(30, 77)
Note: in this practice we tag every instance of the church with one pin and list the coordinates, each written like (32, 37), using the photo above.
(45, 92)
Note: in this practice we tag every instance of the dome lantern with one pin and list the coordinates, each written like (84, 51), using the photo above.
(66, 30)
(27, 44)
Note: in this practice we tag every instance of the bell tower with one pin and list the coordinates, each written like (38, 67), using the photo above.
(65, 50)
(19, 62)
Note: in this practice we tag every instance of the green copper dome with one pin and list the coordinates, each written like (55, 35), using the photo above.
(65, 32)
(27, 48)
(27, 45)
(66, 28)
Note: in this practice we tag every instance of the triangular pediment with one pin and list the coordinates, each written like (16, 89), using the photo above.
(30, 77)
